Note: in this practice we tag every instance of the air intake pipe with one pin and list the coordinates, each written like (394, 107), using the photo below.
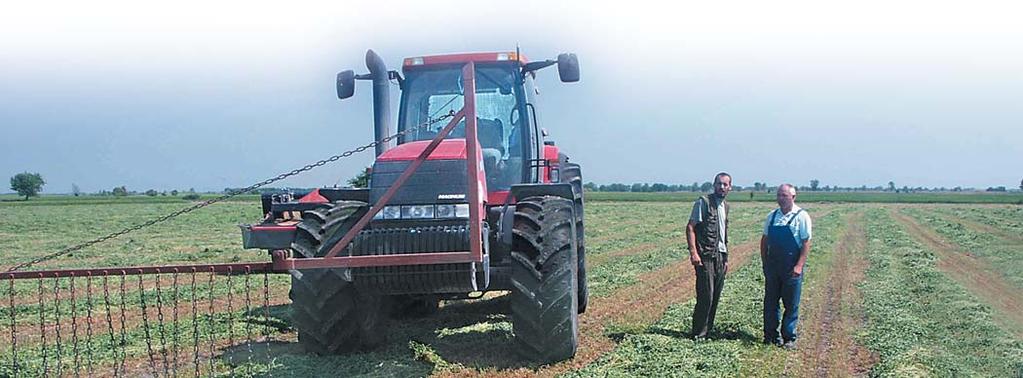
(382, 123)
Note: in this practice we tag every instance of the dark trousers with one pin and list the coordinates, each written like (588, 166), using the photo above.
(710, 279)
(780, 285)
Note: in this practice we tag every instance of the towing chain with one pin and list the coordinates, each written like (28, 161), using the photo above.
(231, 194)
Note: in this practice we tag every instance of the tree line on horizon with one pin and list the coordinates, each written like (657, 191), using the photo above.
(814, 186)
(30, 185)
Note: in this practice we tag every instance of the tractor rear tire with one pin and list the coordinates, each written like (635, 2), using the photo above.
(545, 318)
(572, 173)
(330, 314)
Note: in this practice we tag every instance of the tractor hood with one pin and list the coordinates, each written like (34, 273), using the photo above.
(440, 179)
(449, 149)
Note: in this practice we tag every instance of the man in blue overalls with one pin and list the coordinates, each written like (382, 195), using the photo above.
(783, 250)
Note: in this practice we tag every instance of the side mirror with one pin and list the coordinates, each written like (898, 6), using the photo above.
(345, 84)
(568, 67)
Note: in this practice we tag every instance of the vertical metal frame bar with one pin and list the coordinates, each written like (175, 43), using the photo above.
(477, 183)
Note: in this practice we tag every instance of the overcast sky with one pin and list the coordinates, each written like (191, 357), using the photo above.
(207, 95)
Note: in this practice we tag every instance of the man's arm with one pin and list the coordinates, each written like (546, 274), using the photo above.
(805, 234)
(798, 269)
(694, 246)
(763, 247)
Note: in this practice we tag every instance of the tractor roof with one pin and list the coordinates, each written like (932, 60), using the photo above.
(414, 62)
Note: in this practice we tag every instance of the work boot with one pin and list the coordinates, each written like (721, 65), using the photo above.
(790, 345)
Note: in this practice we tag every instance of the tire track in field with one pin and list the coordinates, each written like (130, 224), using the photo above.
(642, 303)
(834, 312)
(975, 274)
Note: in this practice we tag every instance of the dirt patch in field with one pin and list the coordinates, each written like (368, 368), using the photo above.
(642, 303)
(975, 274)
(834, 313)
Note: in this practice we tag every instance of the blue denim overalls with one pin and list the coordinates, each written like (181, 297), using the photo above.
(782, 255)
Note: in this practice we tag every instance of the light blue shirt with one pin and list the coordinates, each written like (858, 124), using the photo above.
(802, 227)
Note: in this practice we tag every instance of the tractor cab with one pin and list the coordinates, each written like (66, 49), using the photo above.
(431, 90)
(510, 139)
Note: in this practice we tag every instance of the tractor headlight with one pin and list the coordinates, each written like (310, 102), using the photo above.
(453, 211)
(462, 210)
(445, 211)
(417, 211)
(389, 212)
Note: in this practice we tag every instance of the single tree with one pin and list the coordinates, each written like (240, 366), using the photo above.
(814, 184)
(120, 191)
(75, 190)
(891, 186)
(27, 184)
(360, 180)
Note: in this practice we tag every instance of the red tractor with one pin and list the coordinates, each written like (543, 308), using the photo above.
(481, 202)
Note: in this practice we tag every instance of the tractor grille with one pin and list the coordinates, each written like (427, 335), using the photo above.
(413, 279)
(401, 240)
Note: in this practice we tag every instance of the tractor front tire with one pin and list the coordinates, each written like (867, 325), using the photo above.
(545, 319)
(330, 314)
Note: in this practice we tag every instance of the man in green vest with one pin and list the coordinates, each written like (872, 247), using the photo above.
(707, 237)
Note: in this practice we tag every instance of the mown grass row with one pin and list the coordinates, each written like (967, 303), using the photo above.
(1002, 255)
(919, 321)
(665, 348)
(1008, 218)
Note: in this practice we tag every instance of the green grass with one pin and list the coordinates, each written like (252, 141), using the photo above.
(1005, 218)
(207, 235)
(476, 335)
(920, 322)
(1003, 256)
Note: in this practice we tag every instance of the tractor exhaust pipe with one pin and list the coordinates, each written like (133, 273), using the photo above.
(382, 125)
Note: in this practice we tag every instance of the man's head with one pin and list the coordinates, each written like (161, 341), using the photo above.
(786, 196)
(722, 184)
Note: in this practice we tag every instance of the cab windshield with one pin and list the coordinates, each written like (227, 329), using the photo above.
(433, 92)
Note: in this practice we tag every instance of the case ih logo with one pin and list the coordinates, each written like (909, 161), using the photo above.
(451, 196)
